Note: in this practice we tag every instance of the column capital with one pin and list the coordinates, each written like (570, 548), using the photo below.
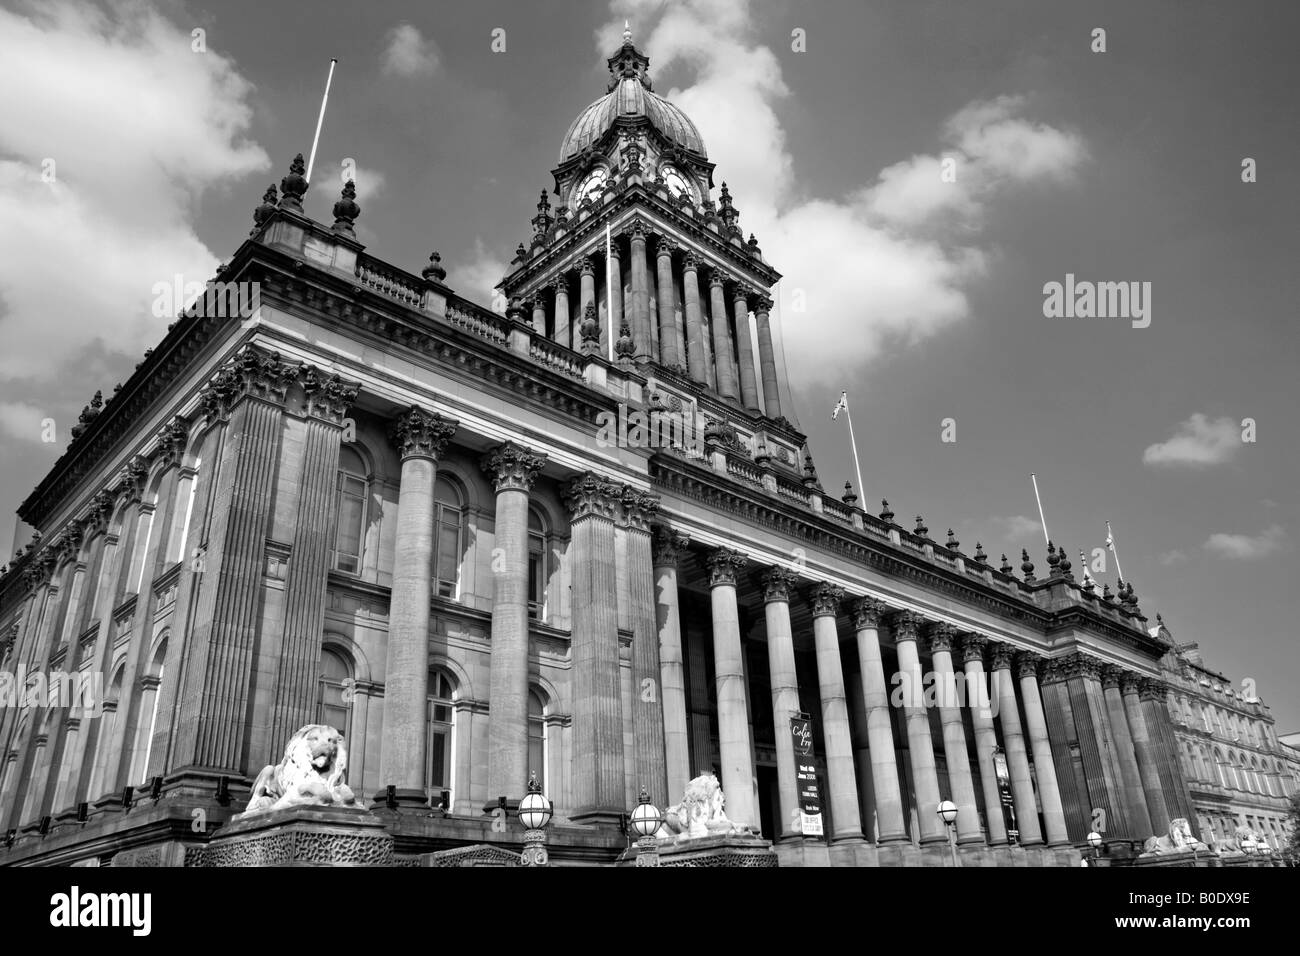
(941, 635)
(639, 508)
(558, 283)
(1130, 682)
(592, 495)
(171, 442)
(763, 303)
(1000, 655)
(586, 266)
(637, 230)
(778, 584)
(253, 373)
(420, 434)
(1052, 672)
(867, 612)
(1110, 676)
(824, 599)
(742, 293)
(512, 467)
(1151, 688)
(905, 625)
(716, 278)
(724, 565)
(691, 261)
(1027, 664)
(328, 398)
(667, 545)
(972, 647)
(665, 245)
(131, 485)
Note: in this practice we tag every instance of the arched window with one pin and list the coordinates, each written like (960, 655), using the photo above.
(448, 532)
(150, 691)
(441, 732)
(1220, 766)
(335, 700)
(1205, 720)
(537, 736)
(99, 779)
(537, 567)
(350, 528)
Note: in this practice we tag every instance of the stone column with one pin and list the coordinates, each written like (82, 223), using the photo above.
(745, 348)
(954, 734)
(696, 365)
(668, 331)
(512, 469)
(613, 298)
(586, 297)
(1157, 808)
(421, 438)
(1152, 694)
(641, 333)
(986, 736)
(880, 729)
(677, 751)
(843, 784)
(724, 363)
(1049, 793)
(729, 671)
(777, 586)
(598, 778)
(1013, 742)
(539, 319)
(564, 327)
(648, 747)
(1130, 779)
(920, 748)
(767, 358)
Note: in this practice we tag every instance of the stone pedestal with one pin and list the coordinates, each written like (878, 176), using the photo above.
(297, 836)
(731, 850)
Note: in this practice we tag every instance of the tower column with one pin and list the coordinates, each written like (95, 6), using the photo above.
(564, 328)
(586, 295)
(986, 736)
(539, 317)
(729, 670)
(695, 358)
(1013, 740)
(421, 438)
(954, 734)
(677, 753)
(748, 383)
(1157, 808)
(880, 730)
(920, 748)
(1049, 792)
(724, 364)
(613, 298)
(1130, 777)
(777, 586)
(641, 333)
(767, 358)
(512, 469)
(825, 604)
(668, 331)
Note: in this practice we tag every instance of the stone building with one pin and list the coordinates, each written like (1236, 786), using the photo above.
(1238, 772)
(584, 539)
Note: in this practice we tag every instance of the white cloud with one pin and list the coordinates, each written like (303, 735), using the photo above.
(1198, 442)
(22, 421)
(408, 53)
(1244, 547)
(477, 279)
(137, 126)
(863, 263)
(1173, 558)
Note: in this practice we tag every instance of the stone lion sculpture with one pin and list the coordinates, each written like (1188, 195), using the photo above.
(312, 773)
(702, 813)
(1180, 838)
(1233, 844)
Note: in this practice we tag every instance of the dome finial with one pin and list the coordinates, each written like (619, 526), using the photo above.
(627, 34)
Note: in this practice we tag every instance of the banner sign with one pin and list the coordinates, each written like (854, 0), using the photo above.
(810, 801)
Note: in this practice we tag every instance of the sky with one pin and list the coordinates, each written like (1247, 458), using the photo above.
(918, 171)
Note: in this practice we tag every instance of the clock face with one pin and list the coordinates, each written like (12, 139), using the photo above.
(591, 185)
(677, 182)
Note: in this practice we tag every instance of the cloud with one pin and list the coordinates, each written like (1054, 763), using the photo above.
(408, 53)
(477, 279)
(113, 128)
(871, 247)
(1197, 443)
(1244, 547)
(1173, 558)
(22, 421)
(1019, 526)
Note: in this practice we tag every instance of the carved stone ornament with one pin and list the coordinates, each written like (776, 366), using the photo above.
(420, 434)
(639, 508)
(867, 612)
(825, 599)
(1027, 664)
(940, 635)
(667, 546)
(327, 398)
(512, 467)
(904, 625)
(313, 773)
(253, 373)
(724, 565)
(778, 584)
(592, 495)
(972, 648)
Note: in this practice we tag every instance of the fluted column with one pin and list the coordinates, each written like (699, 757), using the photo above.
(729, 671)
(512, 469)
(920, 748)
(677, 752)
(745, 348)
(598, 778)
(888, 795)
(668, 331)
(824, 602)
(1157, 807)
(724, 363)
(613, 297)
(648, 747)
(778, 583)
(539, 316)
(641, 333)
(697, 367)
(767, 357)
(1013, 742)
(986, 736)
(420, 437)
(565, 328)
(1152, 694)
(1130, 778)
(954, 734)
(1049, 793)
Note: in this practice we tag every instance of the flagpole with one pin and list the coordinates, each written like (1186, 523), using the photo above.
(1034, 478)
(321, 118)
(609, 286)
(852, 441)
(1110, 540)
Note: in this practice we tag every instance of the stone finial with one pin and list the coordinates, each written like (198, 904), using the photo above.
(921, 531)
(346, 210)
(263, 212)
(1026, 566)
(810, 473)
(1064, 566)
(294, 186)
(980, 556)
(1006, 567)
(953, 544)
(1105, 594)
(753, 247)
(624, 347)
(521, 253)
(1053, 560)
(589, 329)
(886, 512)
(849, 497)
(516, 309)
(434, 271)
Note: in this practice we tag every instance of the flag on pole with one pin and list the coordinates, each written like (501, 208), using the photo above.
(1110, 543)
(841, 406)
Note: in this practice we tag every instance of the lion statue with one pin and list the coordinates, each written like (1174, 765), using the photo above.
(702, 813)
(312, 773)
(1180, 838)
(1234, 843)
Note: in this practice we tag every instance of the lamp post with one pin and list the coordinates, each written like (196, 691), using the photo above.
(645, 822)
(1250, 846)
(948, 812)
(1003, 773)
(535, 814)
(1094, 841)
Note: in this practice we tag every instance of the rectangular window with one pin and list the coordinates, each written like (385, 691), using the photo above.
(352, 510)
(448, 553)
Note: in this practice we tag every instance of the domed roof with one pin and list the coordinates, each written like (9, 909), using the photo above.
(630, 96)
